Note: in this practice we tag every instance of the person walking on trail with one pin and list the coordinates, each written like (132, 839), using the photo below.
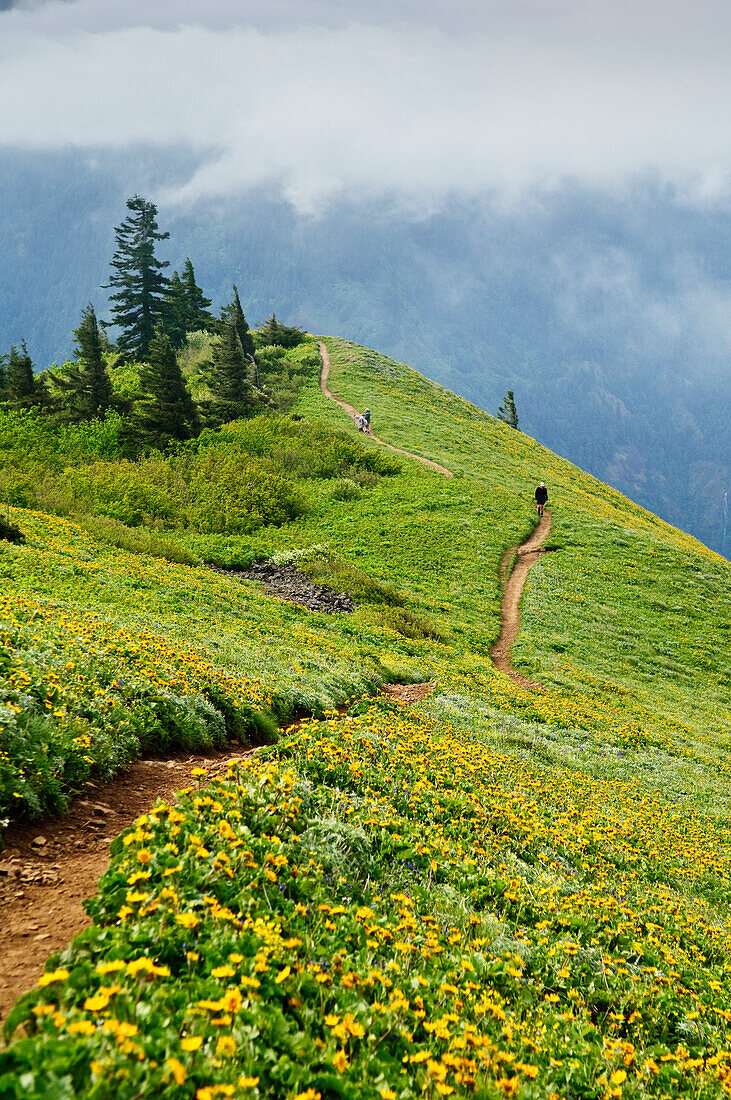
(541, 498)
(364, 421)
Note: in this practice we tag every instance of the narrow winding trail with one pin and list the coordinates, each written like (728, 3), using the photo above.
(527, 556)
(324, 375)
(527, 553)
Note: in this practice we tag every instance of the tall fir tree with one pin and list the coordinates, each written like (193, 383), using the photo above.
(85, 386)
(507, 411)
(186, 307)
(232, 394)
(168, 412)
(3, 375)
(176, 311)
(234, 312)
(197, 303)
(21, 387)
(137, 275)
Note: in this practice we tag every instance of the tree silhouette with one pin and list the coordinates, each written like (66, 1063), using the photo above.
(508, 411)
(138, 302)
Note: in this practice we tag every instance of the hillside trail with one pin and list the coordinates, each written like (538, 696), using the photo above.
(527, 556)
(49, 868)
(325, 374)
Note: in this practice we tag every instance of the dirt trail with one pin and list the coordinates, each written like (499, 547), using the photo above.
(324, 375)
(48, 869)
(527, 556)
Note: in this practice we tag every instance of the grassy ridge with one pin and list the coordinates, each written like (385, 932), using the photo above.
(497, 892)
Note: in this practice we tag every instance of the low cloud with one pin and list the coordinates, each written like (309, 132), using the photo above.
(319, 99)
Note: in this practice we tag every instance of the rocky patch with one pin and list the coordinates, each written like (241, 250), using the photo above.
(289, 583)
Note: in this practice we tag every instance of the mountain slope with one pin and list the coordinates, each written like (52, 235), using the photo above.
(494, 890)
(613, 337)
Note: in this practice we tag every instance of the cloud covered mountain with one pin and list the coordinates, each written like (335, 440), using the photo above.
(608, 315)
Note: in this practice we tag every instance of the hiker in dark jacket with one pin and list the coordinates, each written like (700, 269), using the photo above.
(541, 498)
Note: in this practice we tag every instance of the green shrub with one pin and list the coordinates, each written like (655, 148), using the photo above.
(163, 722)
(345, 489)
(408, 624)
(229, 481)
(282, 374)
(224, 552)
(344, 577)
(243, 724)
(28, 438)
(138, 540)
(147, 491)
(234, 494)
(212, 491)
(304, 449)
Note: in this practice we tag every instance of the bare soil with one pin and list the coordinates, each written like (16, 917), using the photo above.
(324, 375)
(526, 556)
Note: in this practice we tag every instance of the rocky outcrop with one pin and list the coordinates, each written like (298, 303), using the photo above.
(289, 583)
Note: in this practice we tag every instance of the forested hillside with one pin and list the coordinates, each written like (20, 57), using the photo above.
(495, 891)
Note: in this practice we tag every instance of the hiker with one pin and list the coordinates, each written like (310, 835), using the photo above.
(364, 421)
(541, 498)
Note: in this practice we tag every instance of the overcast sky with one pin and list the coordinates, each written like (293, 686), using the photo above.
(318, 97)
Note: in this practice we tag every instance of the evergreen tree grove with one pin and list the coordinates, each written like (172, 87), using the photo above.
(168, 412)
(137, 275)
(175, 311)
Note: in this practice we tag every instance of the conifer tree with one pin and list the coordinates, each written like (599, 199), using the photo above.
(234, 312)
(168, 412)
(176, 311)
(21, 389)
(86, 386)
(233, 395)
(508, 411)
(197, 304)
(186, 307)
(274, 332)
(3, 375)
(138, 277)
